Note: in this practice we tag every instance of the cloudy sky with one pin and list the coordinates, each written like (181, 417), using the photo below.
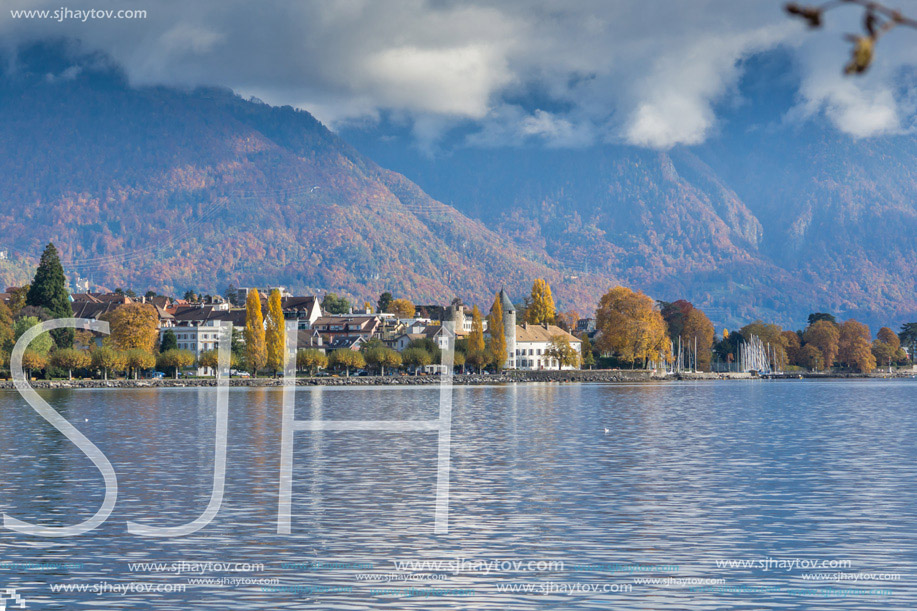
(557, 72)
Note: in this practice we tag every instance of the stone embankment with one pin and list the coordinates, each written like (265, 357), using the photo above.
(508, 377)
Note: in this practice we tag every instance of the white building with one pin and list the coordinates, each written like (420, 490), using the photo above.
(196, 338)
(436, 333)
(533, 342)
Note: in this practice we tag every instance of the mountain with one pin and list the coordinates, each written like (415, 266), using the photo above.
(769, 218)
(151, 187)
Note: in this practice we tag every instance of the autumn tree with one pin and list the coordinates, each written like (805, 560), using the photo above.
(497, 347)
(401, 308)
(561, 350)
(70, 359)
(209, 359)
(134, 325)
(7, 337)
(255, 349)
(824, 335)
(17, 298)
(382, 357)
(176, 360)
(854, 347)
(275, 335)
(347, 358)
(674, 313)
(887, 347)
(138, 359)
(476, 337)
(811, 358)
(629, 325)
(478, 358)
(697, 332)
(567, 320)
(32, 360)
(541, 308)
(107, 359)
(49, 291)
(792, 345)
(771, 336)
(311, 359)
(416, 358)
(458, 360)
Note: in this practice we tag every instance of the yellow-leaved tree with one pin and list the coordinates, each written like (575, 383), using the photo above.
(476, 337)
(824, 336)
(402, 308)
(497, 335)
(255, 350)
(134, 326)
(698, 332)
(541, 308)
(854, 348)
(274, 335)
(630, 326)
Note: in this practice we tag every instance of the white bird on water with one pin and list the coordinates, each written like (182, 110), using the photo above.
(607, 430)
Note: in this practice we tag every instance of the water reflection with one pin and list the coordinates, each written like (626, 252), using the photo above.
(686, 475)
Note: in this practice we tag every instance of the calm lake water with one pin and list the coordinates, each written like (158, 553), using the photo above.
(731, 495)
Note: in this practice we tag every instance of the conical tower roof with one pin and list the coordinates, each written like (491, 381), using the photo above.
(505, 302)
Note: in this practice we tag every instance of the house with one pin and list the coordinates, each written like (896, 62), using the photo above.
(436, 333)
(585, 325)
(304, 310)
(532, 343)
(196, 338)
(366, 326)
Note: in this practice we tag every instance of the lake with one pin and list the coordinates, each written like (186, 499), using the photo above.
(790, 495)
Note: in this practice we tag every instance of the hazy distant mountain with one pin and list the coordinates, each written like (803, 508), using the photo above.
(769, 218)
(167, 189)
(164, 189)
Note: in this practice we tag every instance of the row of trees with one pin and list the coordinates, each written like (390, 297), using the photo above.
(823, 344)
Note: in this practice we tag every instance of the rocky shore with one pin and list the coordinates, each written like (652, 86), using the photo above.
(509, 377)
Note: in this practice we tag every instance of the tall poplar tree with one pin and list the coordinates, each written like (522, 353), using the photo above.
(49, 291)
(542, 309)
(497, 334)
(275, 336)
(255, 350)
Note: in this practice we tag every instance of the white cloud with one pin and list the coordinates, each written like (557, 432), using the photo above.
(648, 72)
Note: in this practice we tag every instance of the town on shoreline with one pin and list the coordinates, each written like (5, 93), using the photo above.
(630, 337)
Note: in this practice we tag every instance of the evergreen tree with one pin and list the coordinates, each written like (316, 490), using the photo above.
(49, 291)
(385, 299)
(275, 334)
(586, 348)
(169, 341)
(332, 304)
(255, 349)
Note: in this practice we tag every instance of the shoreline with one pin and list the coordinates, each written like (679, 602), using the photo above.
(610, 376)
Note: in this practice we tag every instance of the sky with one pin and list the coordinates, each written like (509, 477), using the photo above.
(553, 73)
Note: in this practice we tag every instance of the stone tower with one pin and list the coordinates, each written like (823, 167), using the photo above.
(456, 313)
(509, 329)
